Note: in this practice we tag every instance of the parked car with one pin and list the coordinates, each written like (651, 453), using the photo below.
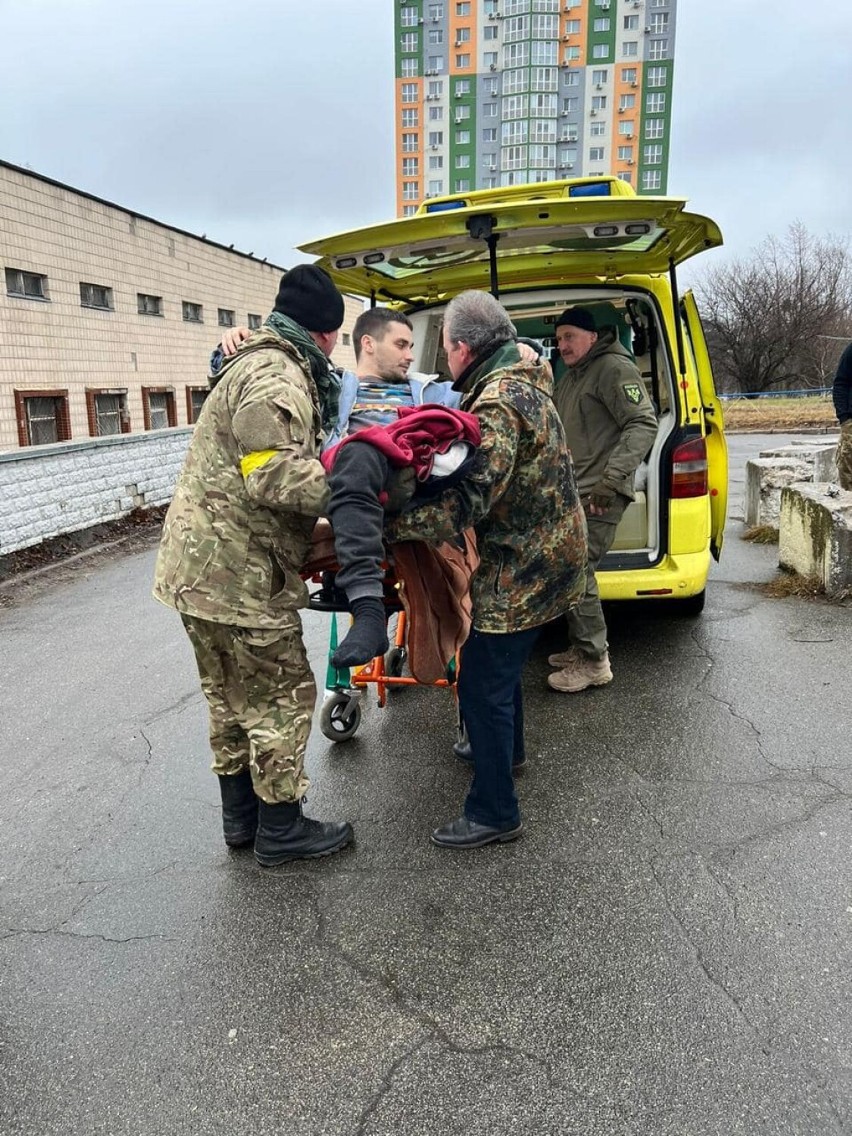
(593, 242)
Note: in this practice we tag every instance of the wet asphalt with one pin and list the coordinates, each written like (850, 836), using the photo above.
(665, 951)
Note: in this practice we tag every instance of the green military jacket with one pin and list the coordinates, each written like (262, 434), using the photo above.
(520, 497)
(609, 421)
(238, 529)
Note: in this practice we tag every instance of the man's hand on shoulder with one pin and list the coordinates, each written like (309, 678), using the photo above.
(232, 338)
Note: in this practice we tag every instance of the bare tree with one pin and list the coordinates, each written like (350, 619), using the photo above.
(770, 318)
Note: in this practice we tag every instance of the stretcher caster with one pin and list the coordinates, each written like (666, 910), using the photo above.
(340, 716)
(395, 662)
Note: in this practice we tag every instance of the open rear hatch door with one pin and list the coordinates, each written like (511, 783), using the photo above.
(539, 238)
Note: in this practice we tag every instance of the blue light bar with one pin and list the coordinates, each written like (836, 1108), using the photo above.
(444, 206)
(593, 189)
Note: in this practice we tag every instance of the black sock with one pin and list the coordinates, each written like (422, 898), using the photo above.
(368, 635)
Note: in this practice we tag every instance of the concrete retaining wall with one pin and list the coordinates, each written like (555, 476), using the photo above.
(768, 474)
(51, 490)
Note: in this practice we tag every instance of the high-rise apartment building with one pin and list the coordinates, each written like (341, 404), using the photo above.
(504, 92)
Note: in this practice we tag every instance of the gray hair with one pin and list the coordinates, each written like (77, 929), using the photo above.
(477, 319)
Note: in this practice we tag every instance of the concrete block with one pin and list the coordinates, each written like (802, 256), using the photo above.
(821, 455)
(815, 534)
(765, 479)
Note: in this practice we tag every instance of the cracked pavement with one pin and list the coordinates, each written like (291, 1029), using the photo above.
(666, 951)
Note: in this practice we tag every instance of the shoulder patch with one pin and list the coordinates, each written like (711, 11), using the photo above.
(632, 392)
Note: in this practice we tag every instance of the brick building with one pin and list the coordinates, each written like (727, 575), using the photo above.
(107, 318)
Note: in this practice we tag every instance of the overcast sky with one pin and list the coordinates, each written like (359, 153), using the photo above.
(269, 122)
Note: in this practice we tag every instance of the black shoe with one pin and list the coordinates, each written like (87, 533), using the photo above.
(239, 809)
(464, 752)
(367, 637)
(466, 833)
(284, 834)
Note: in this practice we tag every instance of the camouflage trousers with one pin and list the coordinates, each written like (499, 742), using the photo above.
(844, 456)
(586, 623)
(260, 691)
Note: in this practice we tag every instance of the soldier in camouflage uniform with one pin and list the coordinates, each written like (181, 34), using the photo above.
(610, 426)
(235, 538)
(842, 395)
(521, 498)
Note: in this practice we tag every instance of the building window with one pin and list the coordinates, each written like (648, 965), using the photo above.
(408, 17)
(27, 285)
(545, 27)
(489, 110)
(659, 23)
(514, 81)
(626, 127)
(596, 153)
(602, 24)
(597, 128)
(543, 53)
(436, 36)
(462, 112)
(491, 87)
(107, 412)
(462, 137)
(226, 317)
(254, 321)
(410, 167)
(600, 75)
(436, 88)
(600, 51)
(655, 104)
(410, 118)
(598, 102)
(572, 79)
(652, 155)
(490, 31)
(654, 128)
(544, 79)
(463, 8)
(628, 74)
(657, 76)
(652, 179)
(410, 42)
(462, 161)
(409, 210)
(409, 143)
(489, 59)
(149, 305)
(625, 176)
(436, 161)
(436, 63)
(436, 114)
(462, 35)
(346, 339)
(659, 49)
(462, 185)
(436, 11)
(195, 399)
(96, 296)
(42, 417)
(409, 93)
(410, 67)
(158, 407)
(570, 54)
(631, 23)
(630, 49)
(626, 102)
(463, 60)
(410, 191)
(462, 87)
(436, 138)
(489, 134)
(625, 153)
(193, 313)
(436, 186)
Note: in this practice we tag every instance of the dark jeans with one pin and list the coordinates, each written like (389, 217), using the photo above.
(356, 514)
(490, 702)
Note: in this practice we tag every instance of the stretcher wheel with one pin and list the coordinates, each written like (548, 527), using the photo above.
(395, 661)
(340, 717)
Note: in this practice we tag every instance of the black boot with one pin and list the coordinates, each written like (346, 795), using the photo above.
(239, 809)
(284, 834)
(368, 635)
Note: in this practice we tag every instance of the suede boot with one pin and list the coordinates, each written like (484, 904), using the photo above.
(239, 809)
(368, 635)
(283, 834)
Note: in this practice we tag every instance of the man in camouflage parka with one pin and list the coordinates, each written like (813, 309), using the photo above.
(234, 540)
(521, 498)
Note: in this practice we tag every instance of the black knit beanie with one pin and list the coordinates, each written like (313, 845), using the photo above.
(307, 295)
(577, 317)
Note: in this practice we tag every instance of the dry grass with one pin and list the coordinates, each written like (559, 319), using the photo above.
(761, 534)
(788, 584)
(788, 414)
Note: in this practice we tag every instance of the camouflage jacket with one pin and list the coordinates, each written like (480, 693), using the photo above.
(519, 496)
(609, 421)
(238, 529)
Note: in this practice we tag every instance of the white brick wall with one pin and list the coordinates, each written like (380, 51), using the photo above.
(46, 491)
(59, 345)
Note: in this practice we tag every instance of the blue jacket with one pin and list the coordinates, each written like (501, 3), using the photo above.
(424, 388)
